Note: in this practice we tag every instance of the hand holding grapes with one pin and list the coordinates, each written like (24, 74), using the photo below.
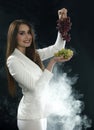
(62, 14)
(56, 59)
(64, 24)
(63, 55)
(61, 59)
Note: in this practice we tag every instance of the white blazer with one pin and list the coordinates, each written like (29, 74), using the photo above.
(32, 80)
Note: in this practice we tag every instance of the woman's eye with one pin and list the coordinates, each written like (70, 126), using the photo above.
(29, 32)
(21, 33)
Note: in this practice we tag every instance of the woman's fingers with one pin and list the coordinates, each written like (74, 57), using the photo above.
(62, 13)
(61, 59)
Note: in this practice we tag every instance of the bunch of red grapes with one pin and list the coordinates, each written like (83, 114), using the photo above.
(64, 28)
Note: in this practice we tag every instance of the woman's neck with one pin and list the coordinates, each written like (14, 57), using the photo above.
(21, 49)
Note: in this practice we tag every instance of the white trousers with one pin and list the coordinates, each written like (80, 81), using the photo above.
(40, 124)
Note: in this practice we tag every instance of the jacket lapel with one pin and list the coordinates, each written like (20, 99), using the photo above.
(26, 60)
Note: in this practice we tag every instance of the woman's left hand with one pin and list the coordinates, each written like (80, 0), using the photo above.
(62, 14)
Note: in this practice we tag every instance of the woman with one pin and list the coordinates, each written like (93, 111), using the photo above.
(24, 64)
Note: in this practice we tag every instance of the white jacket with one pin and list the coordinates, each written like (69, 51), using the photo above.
(32, 80)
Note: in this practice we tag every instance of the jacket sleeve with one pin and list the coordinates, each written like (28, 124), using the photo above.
(25, 78)
(48, 52)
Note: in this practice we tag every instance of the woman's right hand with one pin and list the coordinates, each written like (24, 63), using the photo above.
(55, 60)
(61, 59)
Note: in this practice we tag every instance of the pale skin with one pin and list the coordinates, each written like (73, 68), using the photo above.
(62, 14)
(24, 39)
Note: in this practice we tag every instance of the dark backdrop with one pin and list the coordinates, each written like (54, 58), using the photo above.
(43, 15)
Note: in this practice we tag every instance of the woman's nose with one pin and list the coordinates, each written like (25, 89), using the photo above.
(27, 35)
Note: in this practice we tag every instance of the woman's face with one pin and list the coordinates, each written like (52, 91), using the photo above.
(24, 36)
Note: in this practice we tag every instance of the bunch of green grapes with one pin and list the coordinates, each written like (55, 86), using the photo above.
(66, 53)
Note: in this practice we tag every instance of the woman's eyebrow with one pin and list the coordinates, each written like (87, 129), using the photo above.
(24, 31)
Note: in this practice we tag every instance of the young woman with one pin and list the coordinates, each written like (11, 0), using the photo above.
(24, 65)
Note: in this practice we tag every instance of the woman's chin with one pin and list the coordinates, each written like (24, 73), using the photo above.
(28, 45)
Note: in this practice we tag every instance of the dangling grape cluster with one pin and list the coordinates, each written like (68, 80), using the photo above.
(66, 53)
(64, 28)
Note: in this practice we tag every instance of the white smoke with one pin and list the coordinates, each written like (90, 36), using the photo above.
(63, 107)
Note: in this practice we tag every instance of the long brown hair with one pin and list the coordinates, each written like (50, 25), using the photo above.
(12, 44)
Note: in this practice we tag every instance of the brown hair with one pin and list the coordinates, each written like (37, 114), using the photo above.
(12, 44)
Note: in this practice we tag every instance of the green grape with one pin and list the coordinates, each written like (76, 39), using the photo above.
(66, 53)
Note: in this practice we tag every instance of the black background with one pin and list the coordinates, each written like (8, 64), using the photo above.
(43, 15)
